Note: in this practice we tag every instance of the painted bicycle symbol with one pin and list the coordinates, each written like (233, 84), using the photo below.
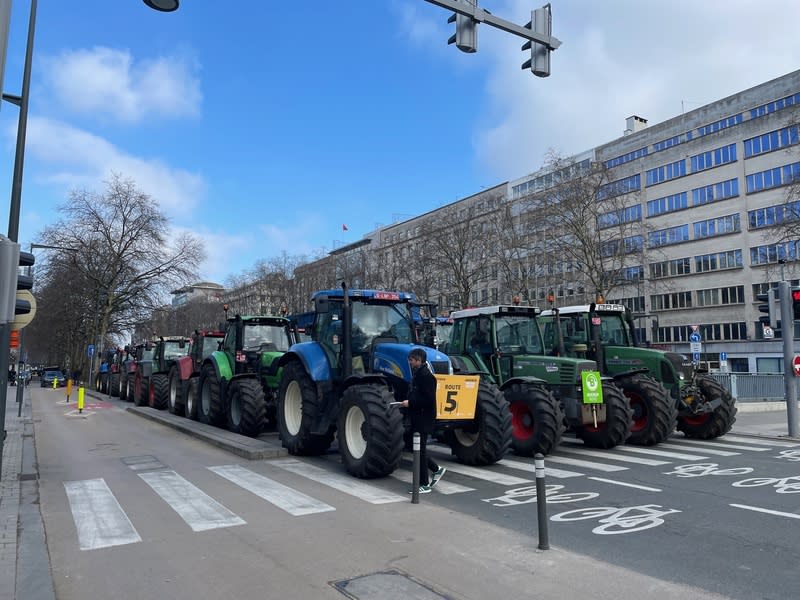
(703, 469)
(619, 520)
(782, 485)
(527, 494)
(790, 455)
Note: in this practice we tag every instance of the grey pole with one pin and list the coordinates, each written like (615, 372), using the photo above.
(541, 501)
(415, 444)
(789, 377)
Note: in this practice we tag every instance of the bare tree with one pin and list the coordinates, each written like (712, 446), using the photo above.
(125, 259)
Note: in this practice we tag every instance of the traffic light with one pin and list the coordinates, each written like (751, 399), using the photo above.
(11, 281)
(796, 303)
(542, 23)
(770, 308)
(466, 36)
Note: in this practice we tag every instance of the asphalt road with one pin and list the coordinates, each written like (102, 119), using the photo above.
(133, 508)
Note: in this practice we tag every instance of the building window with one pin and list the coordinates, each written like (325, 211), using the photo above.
(670, 268)
(720, 125)
(671, 301)
(770, 107)
(731, 259)
(666, 172)
(628, 214)
(665, 237)
(671, 203)
(772, 253)
(620, 160)
(772, 178)
(774, 140)
(773, 215)
(713, 158)
(721, 296)
(719, 226)
(619, 187)
(715, 192)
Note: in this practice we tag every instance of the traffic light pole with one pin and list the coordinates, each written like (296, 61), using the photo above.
(789, 376)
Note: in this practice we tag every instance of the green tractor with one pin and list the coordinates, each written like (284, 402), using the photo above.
(239, 382)
(152, 375)
(546, 393)
(665, 389)
(348, 379)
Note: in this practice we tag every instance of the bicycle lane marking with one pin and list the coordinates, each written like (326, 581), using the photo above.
(777, 513)
(623, 484)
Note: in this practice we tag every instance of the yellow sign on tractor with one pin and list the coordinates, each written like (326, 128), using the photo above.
(456, 396)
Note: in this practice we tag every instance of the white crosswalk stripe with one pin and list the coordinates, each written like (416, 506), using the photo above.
(718, 444)
(612, 454)
(339, 481)
(199, 510)
(98, 517)
(443, 486)
(654, 451)
(586, 464)
(749, 440)
(531, 468)
(713, 451)
(294, 502)
(483, 473)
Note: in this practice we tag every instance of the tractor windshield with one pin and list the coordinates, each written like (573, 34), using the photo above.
(613, 331)
(266, 338)
(372, 321)
(518, 334)
(175, 349)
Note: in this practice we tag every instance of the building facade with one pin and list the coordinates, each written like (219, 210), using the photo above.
(708, 191)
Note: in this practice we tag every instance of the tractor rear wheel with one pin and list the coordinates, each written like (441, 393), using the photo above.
(159, 384)
(713, 424)
(487, 438)
(247, 408)
(617, 426)
(113, 389)
(209, 407)
(536, 419)
(138, 392)
(123, 387)
(176, 403)
(370, 431)
(298, 409)
(192, 398)
(654, 409)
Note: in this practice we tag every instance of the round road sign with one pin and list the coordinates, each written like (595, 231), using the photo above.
(796, 365)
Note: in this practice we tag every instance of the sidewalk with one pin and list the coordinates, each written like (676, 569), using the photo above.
(24, 561)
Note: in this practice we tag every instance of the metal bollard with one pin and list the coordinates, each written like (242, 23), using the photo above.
(541, 501)
(415, 443)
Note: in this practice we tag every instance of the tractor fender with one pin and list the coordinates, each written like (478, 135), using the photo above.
(185, 367)
(629, 373)
(522, 380)
(312, 357)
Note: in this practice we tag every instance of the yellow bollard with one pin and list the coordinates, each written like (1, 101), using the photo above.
(55, 382)
(69, 389)
(80, 399)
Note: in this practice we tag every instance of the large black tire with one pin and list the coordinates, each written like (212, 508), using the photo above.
(192, 398)
(159, 383)
(298, 408)
(113, 386)
(714, 424)
(176, 402)
(536, 419)
(654, 409)
(370, 431)
(247, 407)
(488, 437)
(617, 426)
(138, 390)
(210, 409)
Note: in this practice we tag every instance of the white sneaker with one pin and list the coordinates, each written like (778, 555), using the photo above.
(437, 476)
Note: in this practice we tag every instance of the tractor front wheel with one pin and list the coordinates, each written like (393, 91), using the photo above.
(247, 408)
(370, 431)
(487, 438)
(192, 398)
(209, 408)
(617, 426)
(713, 424)
(654, 409)
(159, 384)
(536, 419)
(176, 402)
(298, 409)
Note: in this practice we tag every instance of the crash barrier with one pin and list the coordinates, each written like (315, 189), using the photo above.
(753, 387)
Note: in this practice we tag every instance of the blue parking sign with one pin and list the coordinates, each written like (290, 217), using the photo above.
(696, 357)
(90, 350)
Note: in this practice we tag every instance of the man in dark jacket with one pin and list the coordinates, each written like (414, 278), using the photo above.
(421, 405)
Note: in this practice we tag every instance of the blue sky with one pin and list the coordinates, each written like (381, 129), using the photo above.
(262, 126)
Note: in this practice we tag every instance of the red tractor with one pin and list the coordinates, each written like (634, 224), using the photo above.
(184, 374)
(152, 382)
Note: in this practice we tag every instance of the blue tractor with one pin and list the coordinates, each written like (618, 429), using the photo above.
(347, 379)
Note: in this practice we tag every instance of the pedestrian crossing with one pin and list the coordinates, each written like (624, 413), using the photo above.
(101, 521)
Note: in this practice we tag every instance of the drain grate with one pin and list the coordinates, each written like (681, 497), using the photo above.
(386, 585)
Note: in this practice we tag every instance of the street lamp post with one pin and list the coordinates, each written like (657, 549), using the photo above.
(16, 184)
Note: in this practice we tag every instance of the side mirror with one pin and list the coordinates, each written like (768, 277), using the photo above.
(321, 304)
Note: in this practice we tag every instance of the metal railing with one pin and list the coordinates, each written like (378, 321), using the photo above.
(753, 387)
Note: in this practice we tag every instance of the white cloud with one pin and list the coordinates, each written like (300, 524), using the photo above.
(107, 81)
(78, 159)
(617, 59)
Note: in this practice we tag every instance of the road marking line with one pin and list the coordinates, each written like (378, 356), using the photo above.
(199, 510)
(658, 452)
(611, 455)
(704, 450)
(98, 517)
(705, 443)
(622, 483)
(531, 468)
(749, 440)
(443, 486)
(483, 473)
(766, 510)
(585, 464)
(344, 483)
(294, 502)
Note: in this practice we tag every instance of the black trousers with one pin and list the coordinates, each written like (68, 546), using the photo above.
(427, 463)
